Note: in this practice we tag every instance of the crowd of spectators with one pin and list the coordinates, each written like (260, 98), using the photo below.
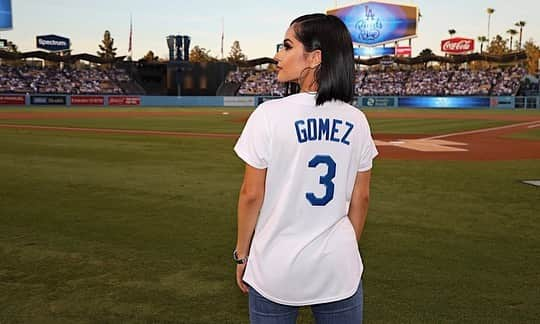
(508, 81)
(426, 83)
(414, 82)
(368, 82)
(440, 82)
(28, 79)
(253, 82)
(530, 87)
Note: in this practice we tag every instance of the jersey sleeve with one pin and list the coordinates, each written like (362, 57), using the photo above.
(368, 150)
(253, 146)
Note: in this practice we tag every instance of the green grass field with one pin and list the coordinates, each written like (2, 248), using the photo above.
(533, 134)
(113, 228)
(232, 123)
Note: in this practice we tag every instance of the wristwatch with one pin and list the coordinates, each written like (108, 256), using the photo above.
(237, 259)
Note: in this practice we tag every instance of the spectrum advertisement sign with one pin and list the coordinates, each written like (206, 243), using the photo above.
(6, 17)
(373, 23)
(53, 43)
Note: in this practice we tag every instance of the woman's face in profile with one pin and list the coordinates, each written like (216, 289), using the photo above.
(291, 59)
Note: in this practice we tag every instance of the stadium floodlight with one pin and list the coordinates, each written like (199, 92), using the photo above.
(6, 16)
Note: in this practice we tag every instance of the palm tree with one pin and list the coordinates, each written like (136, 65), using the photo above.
(482, 40)
(512, 33)
(426, 52)
(520, 24)
(490, 12)
(11, 47)
(452, 32)
(107, 49)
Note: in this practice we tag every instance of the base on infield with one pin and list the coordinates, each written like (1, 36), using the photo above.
(532, 182)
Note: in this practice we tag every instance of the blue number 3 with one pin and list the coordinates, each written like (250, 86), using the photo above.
(325, 180)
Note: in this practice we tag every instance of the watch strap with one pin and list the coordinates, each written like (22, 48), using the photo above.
(237, 259)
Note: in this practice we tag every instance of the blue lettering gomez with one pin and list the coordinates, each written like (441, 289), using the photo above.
(323, 129)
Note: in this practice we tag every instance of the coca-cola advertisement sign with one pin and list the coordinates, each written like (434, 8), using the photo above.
(457, 45)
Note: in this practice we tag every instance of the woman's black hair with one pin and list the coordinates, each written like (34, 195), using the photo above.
(335, 74)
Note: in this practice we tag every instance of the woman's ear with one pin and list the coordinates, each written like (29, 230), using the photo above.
(315, 58)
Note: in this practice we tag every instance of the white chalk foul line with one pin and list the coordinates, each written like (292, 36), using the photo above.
(484, 130)
(118, 131)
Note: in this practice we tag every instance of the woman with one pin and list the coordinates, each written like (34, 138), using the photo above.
(304, 197)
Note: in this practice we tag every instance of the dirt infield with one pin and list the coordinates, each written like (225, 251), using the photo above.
(474, 115)
(478, 145)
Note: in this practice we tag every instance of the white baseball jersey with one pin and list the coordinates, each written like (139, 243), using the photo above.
(304, 250)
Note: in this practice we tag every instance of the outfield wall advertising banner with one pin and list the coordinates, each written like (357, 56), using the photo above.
(125, 101)
(444, 102)
(239, 101)
(373, 23)
(48, 100)
(378, 102)
(503, 102)
(12, 100)
(88, 100)
(53, 43)
(262, 99)
(6, 16)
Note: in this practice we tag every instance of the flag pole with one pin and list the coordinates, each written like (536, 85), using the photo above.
(222, 34)
(130, 47)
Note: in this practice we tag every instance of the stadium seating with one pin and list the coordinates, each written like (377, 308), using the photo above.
(250, 82)
(530, 86)
(415, 82)
(28, 79)
(254, 82)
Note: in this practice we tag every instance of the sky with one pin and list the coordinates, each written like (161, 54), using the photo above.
(257, 25)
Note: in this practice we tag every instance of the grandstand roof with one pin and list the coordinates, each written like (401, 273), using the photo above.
(53, 57)
(454, 59)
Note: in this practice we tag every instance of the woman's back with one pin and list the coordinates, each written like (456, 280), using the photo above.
(304, 240)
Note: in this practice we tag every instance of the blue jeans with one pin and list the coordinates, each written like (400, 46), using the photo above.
(346, 311)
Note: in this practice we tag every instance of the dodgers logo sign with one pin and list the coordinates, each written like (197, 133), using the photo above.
(374, 23)
(370, 27)
(52, 43)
